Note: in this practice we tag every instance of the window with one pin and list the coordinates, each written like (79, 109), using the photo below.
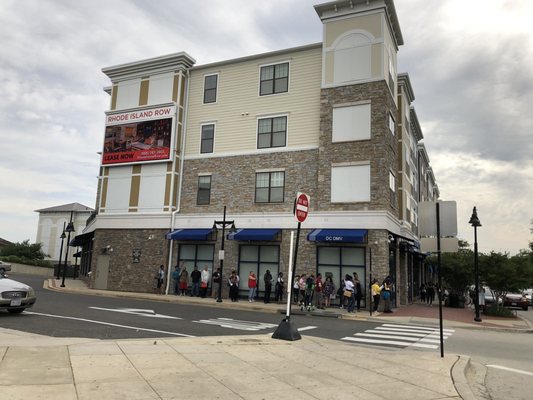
(339, 261)
(274, 79)
(198, 255)
(210, 89)
(272, 132)
(269, 187)
(258, 259)
(204, 190)
(352, 58)
(208, 138)
(350, 183)
(351, 123)
(391, 123)
(392, 181)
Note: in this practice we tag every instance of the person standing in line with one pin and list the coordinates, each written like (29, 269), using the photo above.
(358, 291)
(329, 291)
(159, 279)
(216, 283)
(340, 292)
(195, 282)
(204, 284)
(386, 293)
(252, 285)
(296, 289)
(233, 282)
(349, 292)
(423, 292)
(184, 281)
(319, 291)
(268, 286)
(309, 291)
(176, 279)
(301, 288)
(376, 294)
(280, 285)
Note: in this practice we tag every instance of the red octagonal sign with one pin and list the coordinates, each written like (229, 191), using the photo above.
(302, 207)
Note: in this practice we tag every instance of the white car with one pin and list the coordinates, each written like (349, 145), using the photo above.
(4, 267)
(15, 296)
(528, 293)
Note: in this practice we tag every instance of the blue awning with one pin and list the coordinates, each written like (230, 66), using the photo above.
(338, 235)
(253, 234)
(189, 234)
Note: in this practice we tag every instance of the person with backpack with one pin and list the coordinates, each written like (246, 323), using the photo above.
(280, 285)
(309, 291)
(268, 286)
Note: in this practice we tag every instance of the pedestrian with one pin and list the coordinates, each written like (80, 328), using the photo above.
(376, 293)
(349, 293)
(252, 285)
(159, 279)
(329, 291)
(340, 293)
(296, 288)
(216, 283)
(423, 292)
(204, 283)
(233, 283)
(309, 291)
(280, 285)
(301, 288)
(184, 281)
(176, 279)
(386, 294)
(430, 294)
(268, 286)
(195, 282)
(358, 291)
(319, 292)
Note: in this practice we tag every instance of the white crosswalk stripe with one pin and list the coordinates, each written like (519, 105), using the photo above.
(236, 324)
(402, 335)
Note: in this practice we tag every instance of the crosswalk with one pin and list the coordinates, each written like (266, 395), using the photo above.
(236, 324)
(401, 335)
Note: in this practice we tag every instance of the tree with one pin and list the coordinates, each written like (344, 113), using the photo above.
(24, 250)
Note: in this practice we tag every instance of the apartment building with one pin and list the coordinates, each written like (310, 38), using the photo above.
(191, 148)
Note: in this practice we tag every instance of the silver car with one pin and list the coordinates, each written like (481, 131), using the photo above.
(15, 296)
(4, 267)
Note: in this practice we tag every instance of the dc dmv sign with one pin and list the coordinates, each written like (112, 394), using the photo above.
(301, 207)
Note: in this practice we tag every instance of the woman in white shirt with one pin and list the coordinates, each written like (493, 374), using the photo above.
(349, 287)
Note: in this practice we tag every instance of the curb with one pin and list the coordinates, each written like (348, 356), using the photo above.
(460, 382)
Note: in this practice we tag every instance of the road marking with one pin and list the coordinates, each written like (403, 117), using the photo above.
(306, 328)
(236, 324)
(136, 311)
(519, 371)
(401, 335)
(109, 324)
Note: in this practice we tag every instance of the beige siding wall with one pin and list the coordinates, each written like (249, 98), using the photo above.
(239, 105)
(370, 23)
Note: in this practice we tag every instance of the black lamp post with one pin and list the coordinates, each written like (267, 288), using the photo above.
(222, 224)
(68, 229)
(474, 221)
(62, 237)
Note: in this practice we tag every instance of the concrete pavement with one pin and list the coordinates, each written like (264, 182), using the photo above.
(229, 367)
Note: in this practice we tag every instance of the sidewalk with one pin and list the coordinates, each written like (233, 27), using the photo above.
(230, 367)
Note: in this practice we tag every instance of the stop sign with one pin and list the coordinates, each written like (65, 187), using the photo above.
(301, 209)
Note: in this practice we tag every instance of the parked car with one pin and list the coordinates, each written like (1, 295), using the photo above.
(15, 296)
(4, 267)
(528, 293)
(515, 300)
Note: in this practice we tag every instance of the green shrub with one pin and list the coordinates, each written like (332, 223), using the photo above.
(499, 312)
(27, 261)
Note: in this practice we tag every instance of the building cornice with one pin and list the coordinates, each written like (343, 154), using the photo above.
(416, 130)
(405, 82)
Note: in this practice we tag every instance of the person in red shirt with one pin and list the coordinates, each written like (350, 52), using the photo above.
(252, 286)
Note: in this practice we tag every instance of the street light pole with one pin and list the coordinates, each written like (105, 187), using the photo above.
(474, 221)
(62, 237)
(222, 223)
(69, 229)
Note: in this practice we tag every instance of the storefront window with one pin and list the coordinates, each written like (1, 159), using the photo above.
(197, 254)
(258, 259)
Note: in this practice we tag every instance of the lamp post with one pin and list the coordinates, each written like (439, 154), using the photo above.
(68, 229)
(62, 237)
(474, 221)
(222, 224)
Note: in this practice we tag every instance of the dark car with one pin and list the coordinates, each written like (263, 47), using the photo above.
(515, 300)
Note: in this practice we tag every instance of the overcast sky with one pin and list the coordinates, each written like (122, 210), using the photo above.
(470, 64)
